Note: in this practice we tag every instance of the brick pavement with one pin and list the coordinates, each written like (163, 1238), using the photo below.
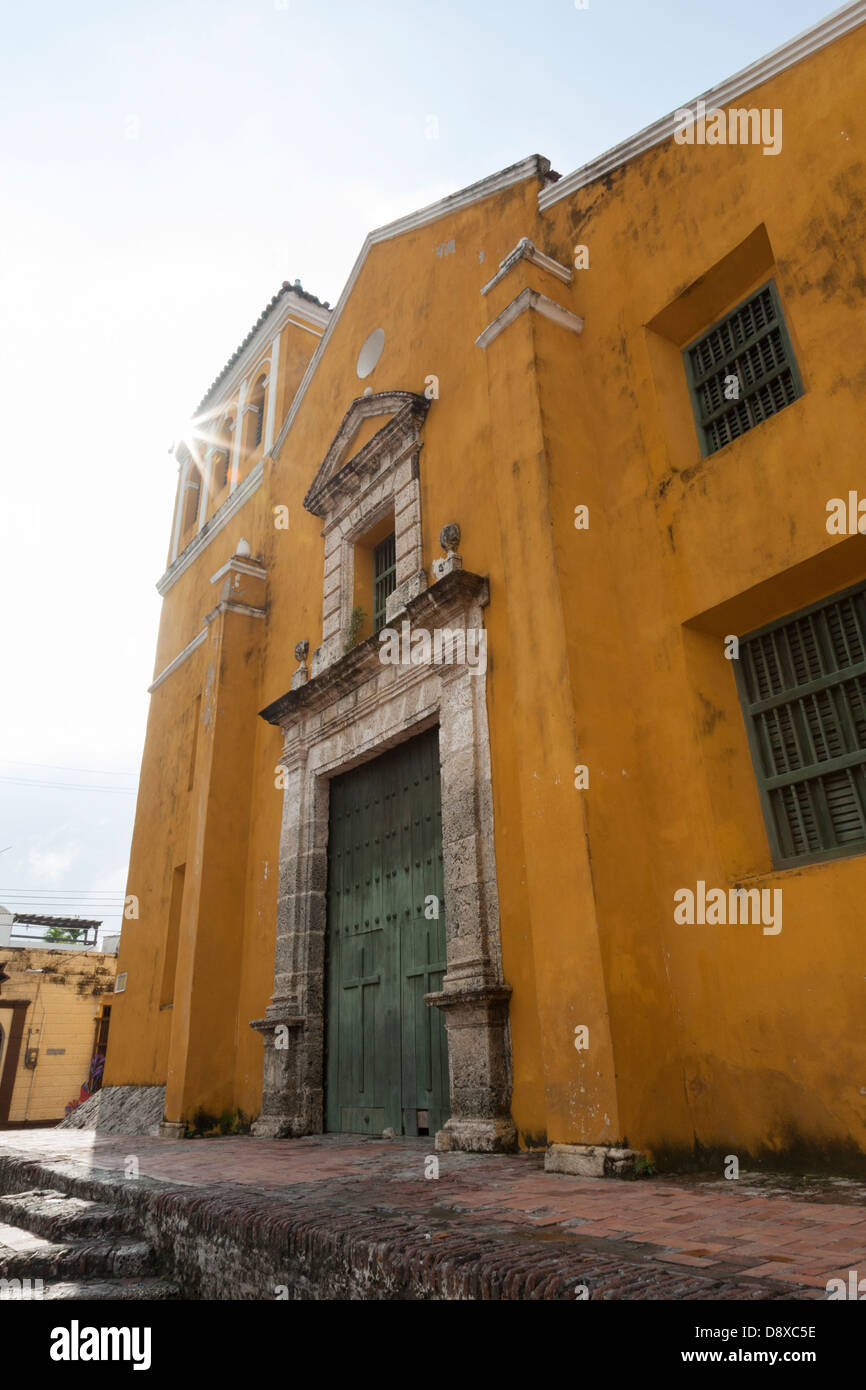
(651, 1238)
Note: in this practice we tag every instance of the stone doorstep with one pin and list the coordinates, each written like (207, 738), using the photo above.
(591, 1160)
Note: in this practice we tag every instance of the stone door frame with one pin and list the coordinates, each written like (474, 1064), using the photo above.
(353, 710)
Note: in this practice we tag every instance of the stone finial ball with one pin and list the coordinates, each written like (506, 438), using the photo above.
(449, 536)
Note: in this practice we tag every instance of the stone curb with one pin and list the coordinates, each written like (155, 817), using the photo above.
(224, 1241)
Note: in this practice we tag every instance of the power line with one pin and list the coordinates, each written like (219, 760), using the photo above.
(64, 786)
(65, 909)
(116, 904)
(63, 893)
(62, 767)
(66, 892)
(66, 897)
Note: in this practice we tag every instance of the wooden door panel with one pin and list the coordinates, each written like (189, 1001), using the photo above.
(386, 1061)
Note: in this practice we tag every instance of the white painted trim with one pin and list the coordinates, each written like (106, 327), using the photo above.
(317, 333)
(234, 565)
(527, 250)
(292, 304)
(529, 299)
(230, 507)
(205, 494)
(535, 166)
(205, 470)
(229, 606)
(239, 434)
(183, 488)
(178, 660)
(835, 26)
(273, 379)
(175, 539)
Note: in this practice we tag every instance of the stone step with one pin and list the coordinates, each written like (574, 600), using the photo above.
(50, 1213)
(24, 1254)
(102, 1290)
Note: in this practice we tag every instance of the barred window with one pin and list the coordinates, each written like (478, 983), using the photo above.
(749, 356)
(384, 578)
(802, 684)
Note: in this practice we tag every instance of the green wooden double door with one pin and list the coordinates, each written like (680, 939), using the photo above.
(386, 1052)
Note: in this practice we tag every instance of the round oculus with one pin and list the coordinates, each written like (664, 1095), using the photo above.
(370, 352)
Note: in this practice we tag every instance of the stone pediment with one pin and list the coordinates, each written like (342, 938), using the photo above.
(401, 414)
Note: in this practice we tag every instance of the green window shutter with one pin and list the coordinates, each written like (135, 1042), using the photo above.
(802, 685)
(384, 578)
(751, 344)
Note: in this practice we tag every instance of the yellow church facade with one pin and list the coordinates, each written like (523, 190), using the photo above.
(505, 772)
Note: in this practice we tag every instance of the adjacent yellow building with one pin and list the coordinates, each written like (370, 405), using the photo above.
(505, 772)
(55, 1010)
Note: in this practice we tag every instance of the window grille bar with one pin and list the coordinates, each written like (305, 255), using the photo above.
(802, 686)
(384, 578)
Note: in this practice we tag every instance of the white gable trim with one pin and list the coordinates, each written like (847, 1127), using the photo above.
(803, 46)
(535, 166)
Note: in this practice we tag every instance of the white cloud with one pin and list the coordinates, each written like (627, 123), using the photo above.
(50, 864)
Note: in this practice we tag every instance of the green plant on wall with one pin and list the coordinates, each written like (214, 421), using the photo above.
(356, 622)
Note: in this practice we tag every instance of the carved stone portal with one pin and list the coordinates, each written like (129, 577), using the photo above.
(354, 709)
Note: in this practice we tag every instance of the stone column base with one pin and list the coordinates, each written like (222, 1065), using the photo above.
(477, 1136)
(273, 1127)
(172, 1129)
(290, 1106)
(591, 1160)
(476, 1019)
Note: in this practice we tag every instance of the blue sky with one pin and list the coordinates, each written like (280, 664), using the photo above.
(163, 167)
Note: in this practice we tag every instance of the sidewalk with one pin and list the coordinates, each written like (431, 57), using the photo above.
(336, 1216)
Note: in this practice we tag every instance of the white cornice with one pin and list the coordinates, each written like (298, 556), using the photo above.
(316, 332)
(527, 250)
(836, 25)
(229, 606)
(179, 659)
(529, 299)
(535, 166)
(236, 566)
(231, 506)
